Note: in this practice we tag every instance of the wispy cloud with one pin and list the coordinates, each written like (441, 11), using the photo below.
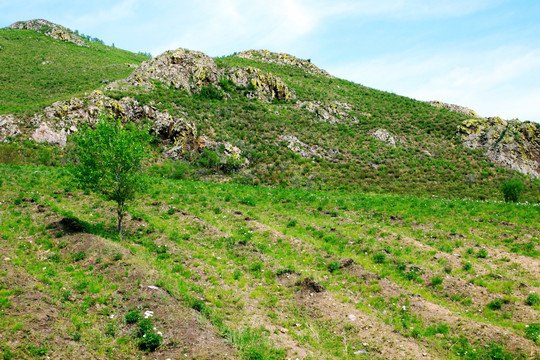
(492, 82)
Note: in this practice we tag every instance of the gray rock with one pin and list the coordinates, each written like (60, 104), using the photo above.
(511, 144)
(283, 59)
(455, 108)
(49, 29)
(8, 127)
(384, 136)
(182, 69)
(263, 86)
(45, 134)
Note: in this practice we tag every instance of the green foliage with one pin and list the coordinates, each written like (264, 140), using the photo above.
(495, 304)
(379, 258)
(41, 70)
(149, 340)
(532, 299)
(334, 266)
(512, 190)
(532, 332)
(133, 317)
(109, 160)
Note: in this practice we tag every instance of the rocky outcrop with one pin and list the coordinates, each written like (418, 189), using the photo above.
(8, 127)
(49, 29)
(179, 135)
(182, 69)
(63, 117)
(334, 112)
(283, 59)
(511, 144)
(48, 135)
(261, 85)
(306, 150)
(384, 136)
(455, 108)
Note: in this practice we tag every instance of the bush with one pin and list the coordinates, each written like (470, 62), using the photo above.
(532, 300)
(334, 266)
(436, 280)
(532, 332)
(379, 258)
(150, 341)
(512, 190)
(133, 317)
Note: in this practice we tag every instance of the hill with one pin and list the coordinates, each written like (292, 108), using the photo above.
(289, 214)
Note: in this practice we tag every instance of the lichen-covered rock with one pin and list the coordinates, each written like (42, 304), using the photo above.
(384, 136)
(182, 69)
(261, 85)
(45, 134)
(47, 28)
(334, 112)
(301, 148)
(283, 59)
(512, 144)
(8, 127)
(455, 108)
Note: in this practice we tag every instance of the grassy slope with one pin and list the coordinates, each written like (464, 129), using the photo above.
(243, 250)
(362, 163)
(36, 70)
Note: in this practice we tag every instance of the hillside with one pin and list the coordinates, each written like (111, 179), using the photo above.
(289, 214)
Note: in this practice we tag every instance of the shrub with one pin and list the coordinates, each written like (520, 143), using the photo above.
(436, 280)
(495, 304)
(379, 258)
(150, 341)
(512, 190)
(133, 317)
(532, 332)
(333, 266)
(482, 254)
(532, 299)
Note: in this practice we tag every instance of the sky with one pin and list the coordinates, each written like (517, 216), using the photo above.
(483, 54)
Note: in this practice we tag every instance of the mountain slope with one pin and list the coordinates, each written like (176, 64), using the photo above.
(36, 70)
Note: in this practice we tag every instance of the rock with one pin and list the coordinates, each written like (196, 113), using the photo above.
(310, 284)
(334, 112)
(455, 108)
(346, 262)
(41, 208)
(49, 29)
(351, 317)
(384, 136)
(511, 144)
(283, 59)
(8, 127)
(261, 85)
(182, 69)
(361, 351)
(300, 147)
(45, 134)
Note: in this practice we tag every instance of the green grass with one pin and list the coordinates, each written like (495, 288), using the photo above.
(41, 70)
(230, 271)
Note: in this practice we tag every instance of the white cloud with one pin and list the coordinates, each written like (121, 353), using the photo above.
(500, 82)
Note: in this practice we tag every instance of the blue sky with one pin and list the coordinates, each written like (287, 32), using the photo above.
(484, 54)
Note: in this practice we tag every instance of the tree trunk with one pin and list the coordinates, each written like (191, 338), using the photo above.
(120, 213)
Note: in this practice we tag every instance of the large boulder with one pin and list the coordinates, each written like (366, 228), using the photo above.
(47, 28)
(511, 144)
(283, 59)
(262, 86)
(182, 69)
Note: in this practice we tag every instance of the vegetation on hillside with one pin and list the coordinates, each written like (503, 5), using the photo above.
(36, 70)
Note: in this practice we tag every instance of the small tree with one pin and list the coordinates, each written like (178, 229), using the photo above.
(108, 160)
(512, 190)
